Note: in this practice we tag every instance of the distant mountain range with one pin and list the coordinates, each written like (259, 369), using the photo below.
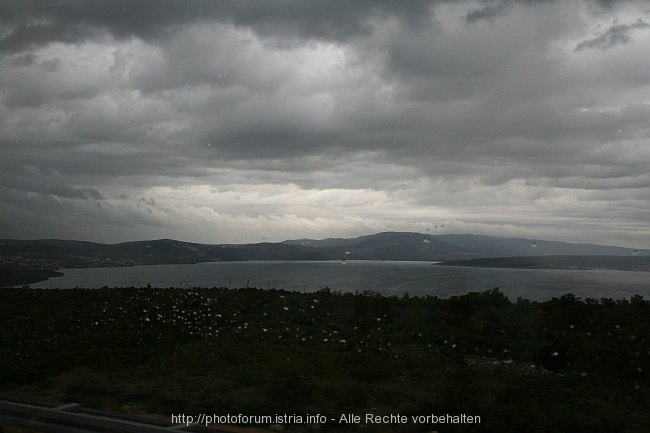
(418, 246)
(53, 253)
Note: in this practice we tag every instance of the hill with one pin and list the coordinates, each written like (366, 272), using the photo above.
(55, 253)
(418, 246)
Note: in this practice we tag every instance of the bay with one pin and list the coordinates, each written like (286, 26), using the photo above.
(384, 277)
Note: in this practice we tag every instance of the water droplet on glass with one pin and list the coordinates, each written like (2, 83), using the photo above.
(347, 252)
(343, 262)
(533, 244)
(426, 241)
(555, 354)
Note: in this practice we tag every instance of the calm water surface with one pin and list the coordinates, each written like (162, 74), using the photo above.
(385, 277)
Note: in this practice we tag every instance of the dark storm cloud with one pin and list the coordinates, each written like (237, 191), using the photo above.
(33, 23)
(25, 36)
(489, 9)
(35, 181)
(30, 23)
(616, 34)
(170, 118)
(36, 215)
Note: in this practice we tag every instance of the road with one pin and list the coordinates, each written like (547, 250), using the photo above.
(72, 418)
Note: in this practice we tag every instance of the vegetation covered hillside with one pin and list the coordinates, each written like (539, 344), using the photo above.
(565, 365)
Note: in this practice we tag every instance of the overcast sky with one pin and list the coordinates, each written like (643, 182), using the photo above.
(244, 121)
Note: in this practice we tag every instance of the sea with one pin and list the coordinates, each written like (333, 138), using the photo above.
(383, 277)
